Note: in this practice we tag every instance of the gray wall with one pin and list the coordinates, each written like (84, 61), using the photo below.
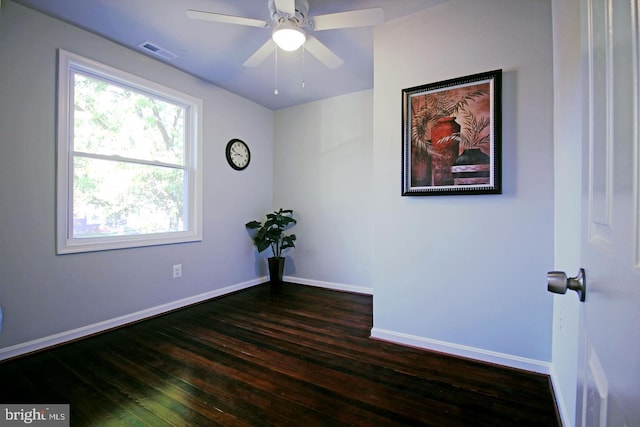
(468, 272)
(323, 170)
(43, 294)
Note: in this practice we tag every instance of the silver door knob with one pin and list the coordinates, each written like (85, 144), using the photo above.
(558, 283)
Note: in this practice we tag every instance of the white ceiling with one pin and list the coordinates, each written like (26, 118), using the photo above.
(215, 52)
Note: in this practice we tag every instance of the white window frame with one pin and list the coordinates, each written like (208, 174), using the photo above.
(69, 63)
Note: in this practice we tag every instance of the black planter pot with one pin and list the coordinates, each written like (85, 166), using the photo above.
(276, 270)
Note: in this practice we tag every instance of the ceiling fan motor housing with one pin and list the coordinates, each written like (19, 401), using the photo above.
(299, 19)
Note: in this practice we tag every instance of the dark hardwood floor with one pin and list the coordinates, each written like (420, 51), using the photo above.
(300, 357)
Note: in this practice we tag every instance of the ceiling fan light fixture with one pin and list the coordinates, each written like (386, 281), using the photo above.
(288, 37)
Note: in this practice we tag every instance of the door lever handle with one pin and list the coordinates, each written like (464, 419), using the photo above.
(558, 283)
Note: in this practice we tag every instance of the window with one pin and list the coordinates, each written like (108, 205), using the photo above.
(129, 160)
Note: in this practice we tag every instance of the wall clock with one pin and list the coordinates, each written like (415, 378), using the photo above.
(238, 154)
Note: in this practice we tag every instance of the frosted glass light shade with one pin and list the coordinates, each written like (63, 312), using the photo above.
(288, 37)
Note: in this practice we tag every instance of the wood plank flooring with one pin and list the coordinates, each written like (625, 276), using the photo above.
(299, 357)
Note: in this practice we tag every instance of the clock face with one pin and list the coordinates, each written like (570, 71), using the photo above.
(238, 154)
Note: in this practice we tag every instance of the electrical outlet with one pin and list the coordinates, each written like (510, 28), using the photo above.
(177, 270)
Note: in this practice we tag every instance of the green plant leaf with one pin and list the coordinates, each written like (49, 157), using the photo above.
(262, 245)
(271, 233)
(287, 242)
(274, 234)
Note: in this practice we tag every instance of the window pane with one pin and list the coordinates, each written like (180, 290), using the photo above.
(112, 120)
(113, 198)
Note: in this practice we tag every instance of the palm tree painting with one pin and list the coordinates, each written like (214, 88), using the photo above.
(451, 137)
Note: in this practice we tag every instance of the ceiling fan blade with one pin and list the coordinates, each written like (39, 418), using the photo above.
(354, 18)
(287, 7)
(226, 19)
(322, 53)
(261, 54)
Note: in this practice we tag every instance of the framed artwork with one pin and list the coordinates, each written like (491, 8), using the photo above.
(451, 136)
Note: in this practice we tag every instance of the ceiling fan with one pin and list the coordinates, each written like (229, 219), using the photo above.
(289, 20)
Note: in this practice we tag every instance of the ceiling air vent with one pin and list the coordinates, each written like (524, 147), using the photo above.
(156, 50)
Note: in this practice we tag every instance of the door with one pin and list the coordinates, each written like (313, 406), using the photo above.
(608, 375)
(596, 343)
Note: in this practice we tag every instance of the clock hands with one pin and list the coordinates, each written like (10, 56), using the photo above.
(233, 150)
(237, 154)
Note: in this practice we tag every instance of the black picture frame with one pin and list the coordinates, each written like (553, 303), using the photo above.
(464, 116)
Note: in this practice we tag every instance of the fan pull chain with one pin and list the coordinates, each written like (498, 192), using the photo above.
(275, 92)
(303, 57)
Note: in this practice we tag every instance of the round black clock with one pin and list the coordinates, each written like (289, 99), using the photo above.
(238, 154)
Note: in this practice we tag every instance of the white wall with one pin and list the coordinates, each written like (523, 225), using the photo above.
(323, 170)
(42, 294)
(567, 148)
(467, 273)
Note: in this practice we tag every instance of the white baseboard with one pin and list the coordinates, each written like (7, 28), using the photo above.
(483, 355)
(84, 331)
(329, 285)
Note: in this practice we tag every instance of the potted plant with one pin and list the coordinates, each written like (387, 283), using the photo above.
(271, 234)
